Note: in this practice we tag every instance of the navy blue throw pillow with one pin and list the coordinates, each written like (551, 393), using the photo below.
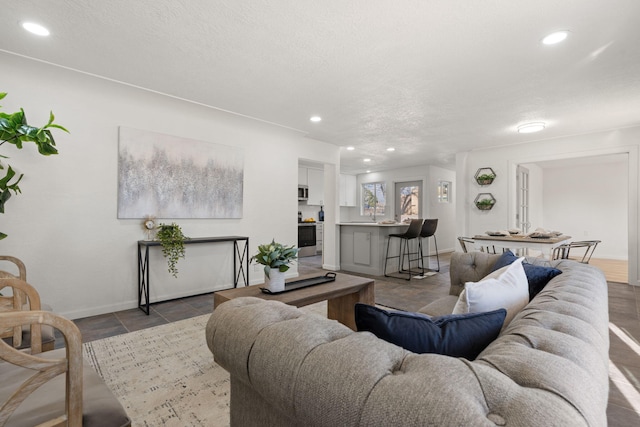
(456, 335)
(537, 275)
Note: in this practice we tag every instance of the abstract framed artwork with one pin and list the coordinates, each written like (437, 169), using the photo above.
(173, 177)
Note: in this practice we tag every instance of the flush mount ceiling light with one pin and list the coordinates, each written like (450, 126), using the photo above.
(366, 160)
(368, 171)
(531, 127)
(556, 37)
(391, 149)
(34, 28)
(315, 119)
(351, 148)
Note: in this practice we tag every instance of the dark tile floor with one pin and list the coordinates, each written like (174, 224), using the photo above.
(121, 322)
(624, 316)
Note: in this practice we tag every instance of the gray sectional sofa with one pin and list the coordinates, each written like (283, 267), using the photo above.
(549, 367)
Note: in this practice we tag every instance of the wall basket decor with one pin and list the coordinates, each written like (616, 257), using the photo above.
(485, 176)
(484, 201)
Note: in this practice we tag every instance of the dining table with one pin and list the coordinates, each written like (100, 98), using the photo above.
(545, 245)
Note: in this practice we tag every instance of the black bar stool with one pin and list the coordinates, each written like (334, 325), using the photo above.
(428, 230)
(413, 232)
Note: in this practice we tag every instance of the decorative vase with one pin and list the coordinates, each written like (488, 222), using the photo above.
(275, 281)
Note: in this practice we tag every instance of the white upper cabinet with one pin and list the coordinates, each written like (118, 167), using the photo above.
(302, 176)
(315, 181)
(348, 190)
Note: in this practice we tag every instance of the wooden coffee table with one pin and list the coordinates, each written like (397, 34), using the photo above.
(341, 296)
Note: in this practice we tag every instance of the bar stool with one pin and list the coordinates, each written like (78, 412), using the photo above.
(428, 230)
(413, 232)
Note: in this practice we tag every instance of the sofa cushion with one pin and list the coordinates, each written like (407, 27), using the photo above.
(537, 275)
(506, 288)
(464, 335)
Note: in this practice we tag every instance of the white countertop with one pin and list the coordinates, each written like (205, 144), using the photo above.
(372, 224)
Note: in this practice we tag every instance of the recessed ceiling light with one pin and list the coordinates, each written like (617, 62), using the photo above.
(391, 149)
(315, 119)
(366, 160)
(531, 127)
(368, 171)
(34, 28)
(556, 37)
(351, 148)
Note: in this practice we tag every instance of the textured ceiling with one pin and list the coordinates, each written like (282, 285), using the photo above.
(428, 77)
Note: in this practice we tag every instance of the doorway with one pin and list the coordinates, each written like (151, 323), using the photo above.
(408, 201)
(568, 196)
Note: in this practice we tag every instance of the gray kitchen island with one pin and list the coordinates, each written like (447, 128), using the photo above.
(363, 247)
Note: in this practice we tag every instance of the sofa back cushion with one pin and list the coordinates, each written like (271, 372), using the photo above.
(469, 267)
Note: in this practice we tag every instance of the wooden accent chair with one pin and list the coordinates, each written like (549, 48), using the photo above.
(20, 337)
(13, 302)
(50, 389)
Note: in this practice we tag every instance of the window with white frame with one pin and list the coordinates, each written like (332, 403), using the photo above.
(374, 198)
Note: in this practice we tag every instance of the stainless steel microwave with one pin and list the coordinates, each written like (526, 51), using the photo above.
(303, 192)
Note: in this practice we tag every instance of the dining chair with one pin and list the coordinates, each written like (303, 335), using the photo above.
(564, 251)
(429, 227)
(464, 241)
(413, 232)
(18, 300)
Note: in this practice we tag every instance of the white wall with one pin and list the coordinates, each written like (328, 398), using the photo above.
(504, 160)
(429, 175)
(589, 203)
(79, 256)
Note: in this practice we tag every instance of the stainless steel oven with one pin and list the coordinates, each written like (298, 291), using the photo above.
(306, 239)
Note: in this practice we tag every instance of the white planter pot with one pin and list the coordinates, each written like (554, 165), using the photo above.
(275, 281)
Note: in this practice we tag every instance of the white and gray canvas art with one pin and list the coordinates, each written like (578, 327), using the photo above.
(172, 177)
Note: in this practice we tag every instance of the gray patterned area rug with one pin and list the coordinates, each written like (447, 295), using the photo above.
(165, 375)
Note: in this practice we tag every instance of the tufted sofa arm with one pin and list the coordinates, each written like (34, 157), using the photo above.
(549, 367)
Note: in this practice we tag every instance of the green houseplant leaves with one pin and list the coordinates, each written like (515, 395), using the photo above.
(172, 241)
(15, 130)
(275, 255)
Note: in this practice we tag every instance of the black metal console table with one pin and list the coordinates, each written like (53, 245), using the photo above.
(240, 263)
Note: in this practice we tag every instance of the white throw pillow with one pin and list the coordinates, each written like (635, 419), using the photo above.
(506, 288)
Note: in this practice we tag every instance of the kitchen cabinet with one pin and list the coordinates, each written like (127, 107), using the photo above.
(315, 178)
(319, 236)
(302, 176)
(348, 190)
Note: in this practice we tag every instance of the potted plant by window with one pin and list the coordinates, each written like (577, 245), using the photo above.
(172, 241)
(15, 130)
(276, 259)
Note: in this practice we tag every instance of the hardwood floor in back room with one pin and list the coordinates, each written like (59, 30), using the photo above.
(624, 331)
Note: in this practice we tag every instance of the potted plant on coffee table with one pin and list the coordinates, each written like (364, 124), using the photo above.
(276, 259)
